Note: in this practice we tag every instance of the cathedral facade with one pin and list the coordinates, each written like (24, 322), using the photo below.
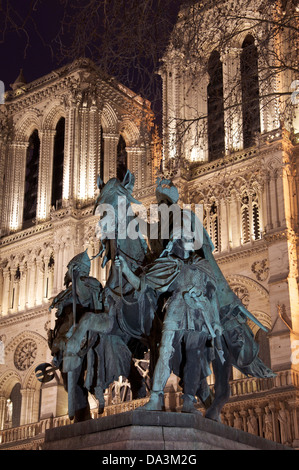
(225, 146)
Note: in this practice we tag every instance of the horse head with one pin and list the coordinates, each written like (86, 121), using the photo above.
(113, 204)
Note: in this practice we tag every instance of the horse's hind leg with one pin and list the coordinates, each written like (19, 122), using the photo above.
(97, 322)
(222, 389)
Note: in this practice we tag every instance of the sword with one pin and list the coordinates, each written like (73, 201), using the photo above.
(214, 336)
(74, 295)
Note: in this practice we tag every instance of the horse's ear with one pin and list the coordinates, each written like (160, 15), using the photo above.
(100, 183)
(129, 181)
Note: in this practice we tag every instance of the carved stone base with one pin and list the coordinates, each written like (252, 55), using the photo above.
(153, 430)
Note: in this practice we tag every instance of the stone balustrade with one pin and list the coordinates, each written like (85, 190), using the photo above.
(265, 407)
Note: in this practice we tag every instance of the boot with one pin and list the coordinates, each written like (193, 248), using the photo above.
(188, 405)
(155, 403)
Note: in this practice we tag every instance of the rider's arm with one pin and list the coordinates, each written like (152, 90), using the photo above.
(120, 262)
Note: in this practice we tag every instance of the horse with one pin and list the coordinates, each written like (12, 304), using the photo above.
(134, 326)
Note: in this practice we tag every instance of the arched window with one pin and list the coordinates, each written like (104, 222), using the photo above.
(245, 218)
(256, 217)
(216, 140)
(58, 158)
(31, 180)
(13, 408)
(121, 164)
(250, 217)
(250, 91)
(214, 226)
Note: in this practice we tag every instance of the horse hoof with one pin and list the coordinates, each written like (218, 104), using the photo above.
(213, 417)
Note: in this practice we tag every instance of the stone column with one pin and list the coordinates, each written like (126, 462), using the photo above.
(137, 165)
(11, 293)
(294, 411)
(40, 274)
(22, 296)
(110, 155)
(232, 95)
(27, 406)
(70, 168)
(268, 212)
(31, 285)
(269, 104)
(45, 174)
(92, 151)
(6, 289)
(16, 179)
(83, 154)
(2, 411)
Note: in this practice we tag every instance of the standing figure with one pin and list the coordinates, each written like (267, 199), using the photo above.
(252, 424)
(191, 326)
(268, 424)
(83, 294)
(284, 420)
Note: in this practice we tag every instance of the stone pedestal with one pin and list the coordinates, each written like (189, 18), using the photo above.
(152, 430)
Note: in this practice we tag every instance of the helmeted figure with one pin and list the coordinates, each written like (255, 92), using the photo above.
(191, 325)
(172, 299)
(83, 294)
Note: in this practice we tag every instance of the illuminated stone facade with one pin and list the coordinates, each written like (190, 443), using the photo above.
(250, 198)
(246, 176)
(102, 124)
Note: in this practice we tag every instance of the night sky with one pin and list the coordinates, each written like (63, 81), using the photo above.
(28, 32)
(29, 50)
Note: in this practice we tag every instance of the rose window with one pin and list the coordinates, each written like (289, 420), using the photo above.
(25, 354)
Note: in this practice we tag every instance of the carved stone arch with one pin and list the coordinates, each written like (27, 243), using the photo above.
(217, 192)
(239, 39)
(256, 185)
(109, 120)
(237, 184)
(254, 288)
(197, 196)
(53, 115)
(129, 131)
(27, 125)
(30, 381)
(274, 166)
(7, 382)
(239, 278)
(263, 317)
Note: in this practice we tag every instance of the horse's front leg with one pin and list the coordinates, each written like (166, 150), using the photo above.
(222, 388)
(74, 342)
(97, 322)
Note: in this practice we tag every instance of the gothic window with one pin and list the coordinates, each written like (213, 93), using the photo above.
(245, 218)
(13, 407)
(25, 354)
(250, 91)
(31, 180)
(57, 176)
(214, 225)
(256, 217)
(215, 107)
(15, 289)
(121, 167)
(250, 217)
